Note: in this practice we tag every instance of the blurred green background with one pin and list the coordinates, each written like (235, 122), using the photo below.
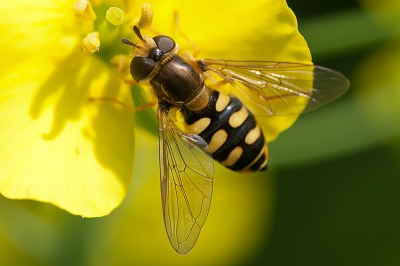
(330, 198)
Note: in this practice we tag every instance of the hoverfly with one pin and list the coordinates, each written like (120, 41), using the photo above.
(199, 123)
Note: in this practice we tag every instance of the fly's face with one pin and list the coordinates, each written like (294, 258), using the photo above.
(174, 80)
(148, 53)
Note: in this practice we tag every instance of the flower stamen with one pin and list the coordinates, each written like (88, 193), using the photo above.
(146, 17)
(83, 11)
(121, 63)
(115, 16)
(91, 43)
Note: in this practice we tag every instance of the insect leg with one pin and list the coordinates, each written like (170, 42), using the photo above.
(129, 81)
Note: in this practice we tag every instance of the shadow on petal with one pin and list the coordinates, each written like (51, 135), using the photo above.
(73, 153)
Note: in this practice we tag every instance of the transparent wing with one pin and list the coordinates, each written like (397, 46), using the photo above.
(275, 88)
(186, 182)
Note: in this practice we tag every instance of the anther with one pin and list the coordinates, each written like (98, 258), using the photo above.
(91, 43)
(83, 11)
(115, 16)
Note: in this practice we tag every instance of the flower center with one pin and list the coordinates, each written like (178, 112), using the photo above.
(102, 28)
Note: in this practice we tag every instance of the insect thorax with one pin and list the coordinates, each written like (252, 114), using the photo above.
(177, 82)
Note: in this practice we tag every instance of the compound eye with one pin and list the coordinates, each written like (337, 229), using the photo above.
(164, 43)
(141, 68)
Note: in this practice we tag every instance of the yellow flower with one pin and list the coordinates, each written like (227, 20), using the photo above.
(56, 146)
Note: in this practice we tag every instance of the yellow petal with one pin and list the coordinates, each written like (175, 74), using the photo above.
(262, 30)
(55, 145)
(32, 28)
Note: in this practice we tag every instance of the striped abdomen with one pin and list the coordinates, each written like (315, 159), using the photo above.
(231, 131)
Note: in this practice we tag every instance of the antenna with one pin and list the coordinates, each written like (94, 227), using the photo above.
(137, 32)
(128, 42)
